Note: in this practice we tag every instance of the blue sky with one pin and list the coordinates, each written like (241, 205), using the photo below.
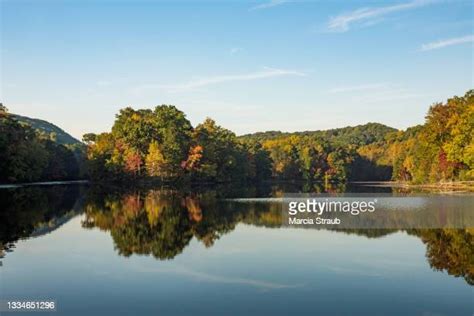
(252, 66)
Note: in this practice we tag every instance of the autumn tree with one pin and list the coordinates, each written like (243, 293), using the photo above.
(163, 140)
(192, 163)
(155, 162)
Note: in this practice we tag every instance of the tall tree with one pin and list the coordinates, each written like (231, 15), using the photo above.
(173, 134)
(155, 162)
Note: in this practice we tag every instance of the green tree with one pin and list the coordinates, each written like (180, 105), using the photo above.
(222, 156)
(22, 155)
(89, 138)
(135, 128)
(173, 135)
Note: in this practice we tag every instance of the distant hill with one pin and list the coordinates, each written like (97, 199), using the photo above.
(357, 135)
(61, 136)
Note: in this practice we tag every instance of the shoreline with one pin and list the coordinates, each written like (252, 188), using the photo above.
(41, 183)
(455, 185)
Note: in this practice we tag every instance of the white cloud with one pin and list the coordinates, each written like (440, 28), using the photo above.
(235, 50)
(207, 81)
(447, 42)
(342, 22)
(103, 83)
(267, 5)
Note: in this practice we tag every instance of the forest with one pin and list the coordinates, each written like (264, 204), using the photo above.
(28, 154)
(160, 144)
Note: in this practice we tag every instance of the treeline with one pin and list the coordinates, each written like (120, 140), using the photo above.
(162, 144)
(440, 150)
(28, 155)
(323, 155)
(354, 135)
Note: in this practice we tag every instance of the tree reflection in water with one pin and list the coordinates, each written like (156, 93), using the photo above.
(163, 222)
(34, 211)
(450, 250)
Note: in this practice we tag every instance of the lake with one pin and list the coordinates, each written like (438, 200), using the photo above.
(201, 251)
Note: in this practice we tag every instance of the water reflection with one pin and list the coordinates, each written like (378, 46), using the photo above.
(162, 222)
(34, 211)
(450, 250)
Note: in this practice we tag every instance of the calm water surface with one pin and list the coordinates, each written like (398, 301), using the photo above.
(163, 252)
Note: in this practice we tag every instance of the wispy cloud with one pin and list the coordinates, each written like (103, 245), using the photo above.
(447, 42)
(103, 83)
(268, 5)
(364, 87)
(207, 81)
(342, 22)
(213, 278)
(235, 50)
